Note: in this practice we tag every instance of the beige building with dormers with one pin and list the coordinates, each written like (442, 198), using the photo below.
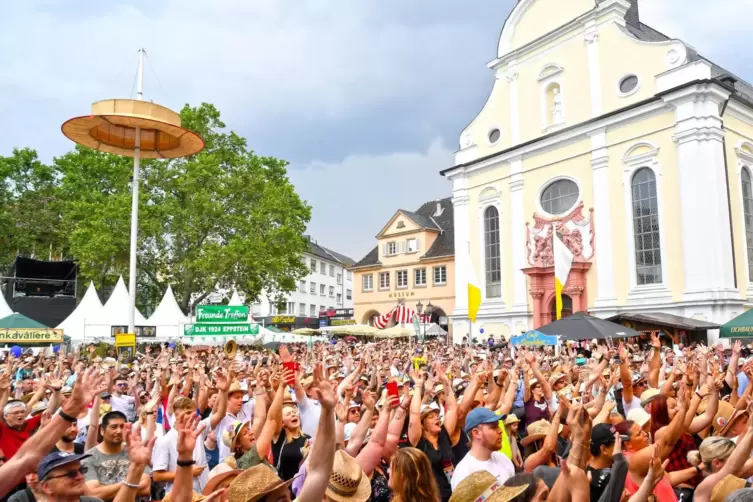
(633, 148)
(413, 262)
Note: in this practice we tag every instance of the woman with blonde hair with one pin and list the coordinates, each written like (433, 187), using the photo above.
(411, 478)
(289, 440)
(712, 454)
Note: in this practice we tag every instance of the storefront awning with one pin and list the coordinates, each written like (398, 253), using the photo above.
(665, 320)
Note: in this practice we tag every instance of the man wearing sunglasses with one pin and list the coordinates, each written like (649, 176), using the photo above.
(61, 477)
(121, 400)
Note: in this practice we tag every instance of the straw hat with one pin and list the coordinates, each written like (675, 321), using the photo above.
(347, 482)
(726, 415)
(648, 394)
(111, 127)
(511, 419)
(255, 483)
(537, 430)
(232, 433)
(221, 473)
(482, 485)
(234, 387)
(726, 486)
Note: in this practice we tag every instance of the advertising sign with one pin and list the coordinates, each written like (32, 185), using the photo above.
(31, 335)
(221, 313)
(534, 338)
(220, 329)
(141, 331)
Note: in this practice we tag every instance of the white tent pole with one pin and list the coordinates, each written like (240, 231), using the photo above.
(135, 204)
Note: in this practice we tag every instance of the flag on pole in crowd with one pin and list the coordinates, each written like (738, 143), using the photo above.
(563, 261)
(474, 292)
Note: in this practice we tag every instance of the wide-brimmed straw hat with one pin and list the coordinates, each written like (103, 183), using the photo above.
(255, 483)
(726, 486)
(195, 497)
(482, 485)
(347, 482)
(232, 433)
(112, 124)
(538, 430)
(234, 387)
(222, 472)
(726, 415)
(648, 394)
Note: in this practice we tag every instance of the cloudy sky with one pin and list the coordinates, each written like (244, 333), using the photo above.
(365, 98)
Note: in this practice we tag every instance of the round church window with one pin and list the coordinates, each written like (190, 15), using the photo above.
(559, 197)
(628, 84)
(494, 135)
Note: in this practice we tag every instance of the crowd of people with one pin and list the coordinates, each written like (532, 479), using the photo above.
(386, 421)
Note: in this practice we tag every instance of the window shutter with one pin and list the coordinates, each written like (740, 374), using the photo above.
(403, 245)
(384, 249)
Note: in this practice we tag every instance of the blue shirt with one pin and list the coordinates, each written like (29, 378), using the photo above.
(519, 402)
(742, 383)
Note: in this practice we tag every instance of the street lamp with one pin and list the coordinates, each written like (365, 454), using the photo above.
(139, 129)
(420, 309)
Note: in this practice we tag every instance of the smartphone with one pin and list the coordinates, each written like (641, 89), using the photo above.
(624, 437)
(292, 366)
(392, 389)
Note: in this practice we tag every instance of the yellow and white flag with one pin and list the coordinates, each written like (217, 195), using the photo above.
(474, 292)
(563, 260)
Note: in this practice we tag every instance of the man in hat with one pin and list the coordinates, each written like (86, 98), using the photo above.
(60, 477)
(482, 425)
(237, 411)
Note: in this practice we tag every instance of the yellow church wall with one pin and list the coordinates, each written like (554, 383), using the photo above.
(635, 57)
(619, 141)
(544, 16)
(494, 115)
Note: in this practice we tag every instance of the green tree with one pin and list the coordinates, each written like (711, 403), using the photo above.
(222, 217)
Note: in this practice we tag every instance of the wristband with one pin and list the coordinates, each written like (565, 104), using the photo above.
(67, 417)
(186, 463)
(130, 485)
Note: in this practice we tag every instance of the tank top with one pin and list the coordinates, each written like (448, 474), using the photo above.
(536, 410)
(663, 490)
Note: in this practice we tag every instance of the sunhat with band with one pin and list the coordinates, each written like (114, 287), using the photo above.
(347, 482)
(537, 430)
(256, 483)
(232, 433)
(482, 486)
(220, 477)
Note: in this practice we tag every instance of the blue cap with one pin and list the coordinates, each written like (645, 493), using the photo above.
(57, 459)
(481, 416)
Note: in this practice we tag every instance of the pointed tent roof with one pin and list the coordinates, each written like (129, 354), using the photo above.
(115, 311)
(5, 310)
(168, 312)
(235, 300)
(89, 308)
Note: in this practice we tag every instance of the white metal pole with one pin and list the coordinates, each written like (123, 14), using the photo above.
(135, 204)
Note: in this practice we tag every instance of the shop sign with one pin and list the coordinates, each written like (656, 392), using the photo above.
(220, 329)
(342, 322)
(337, 313)
(402, 294)
(282, 319)
(141, 331)
(31, 335)
(221, 313)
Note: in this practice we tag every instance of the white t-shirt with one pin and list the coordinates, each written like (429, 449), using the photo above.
(498, 465)
(124, 404)
(165, 456)
(634, 404)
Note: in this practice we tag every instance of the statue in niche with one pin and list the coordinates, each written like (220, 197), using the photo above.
(557, 115)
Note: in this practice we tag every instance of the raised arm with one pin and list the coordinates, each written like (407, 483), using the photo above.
(415, 428)
(654, 363)
(545, 387)
(451, 404)
(370, 456)
(625, 375)
(91, 433)
(220, 409)
(139, 457)
(273, 424)
(359, 433)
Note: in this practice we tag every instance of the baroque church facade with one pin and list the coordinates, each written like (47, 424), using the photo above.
(629, 145)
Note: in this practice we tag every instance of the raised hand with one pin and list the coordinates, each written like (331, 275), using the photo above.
(285, 354)
(737, 347)
(325, 394)
(221, 381)
(187, 434)
(368, 400)
(139, 451)
(88, 384)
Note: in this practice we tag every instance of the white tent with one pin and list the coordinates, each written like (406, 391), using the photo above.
(235, 300)
(5, 310)
(168, 318)
(114, 313)
(89, 308)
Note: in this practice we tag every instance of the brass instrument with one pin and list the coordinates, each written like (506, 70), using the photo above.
(231, 348)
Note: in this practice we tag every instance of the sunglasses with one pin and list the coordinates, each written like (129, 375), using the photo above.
(71, 474)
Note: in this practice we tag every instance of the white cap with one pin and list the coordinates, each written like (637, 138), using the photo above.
(639, 416)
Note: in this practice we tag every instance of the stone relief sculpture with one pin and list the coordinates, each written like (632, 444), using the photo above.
(574, 229)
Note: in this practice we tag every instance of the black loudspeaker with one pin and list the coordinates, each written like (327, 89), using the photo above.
(42, 278)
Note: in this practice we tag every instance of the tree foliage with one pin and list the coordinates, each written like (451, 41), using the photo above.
(222, 217)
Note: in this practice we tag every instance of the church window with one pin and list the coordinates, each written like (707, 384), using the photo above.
(646, 227)
(492, 259)
(494, 135)
(748, 214)
(559, 197)
(628, 84)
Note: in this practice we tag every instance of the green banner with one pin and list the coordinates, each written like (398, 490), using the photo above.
(220, 329)
(221, 313)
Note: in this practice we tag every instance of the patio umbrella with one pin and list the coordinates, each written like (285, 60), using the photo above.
(305, 331)
(581, 326)
(739, 327)
(18, 321)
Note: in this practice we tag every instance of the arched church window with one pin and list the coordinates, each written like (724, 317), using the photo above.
(492, 261)
(748, 214)
(559, 197)
(646, 227)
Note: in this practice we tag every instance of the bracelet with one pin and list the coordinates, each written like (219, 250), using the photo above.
(67, 417)
(186, 463)
(130, 485)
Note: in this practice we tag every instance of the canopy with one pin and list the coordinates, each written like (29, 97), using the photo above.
(88, 308)
(114, 313)
(355, 329)
(394, 332)
(235, 300)
(167, 317)
(581, 326)
(17, 321)
(305, 331)
(533, 338)
(739, 327)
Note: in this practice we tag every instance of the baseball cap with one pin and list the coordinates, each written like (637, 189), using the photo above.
(481, 416)
(603, 434)
(639, 416)
(57, 459)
